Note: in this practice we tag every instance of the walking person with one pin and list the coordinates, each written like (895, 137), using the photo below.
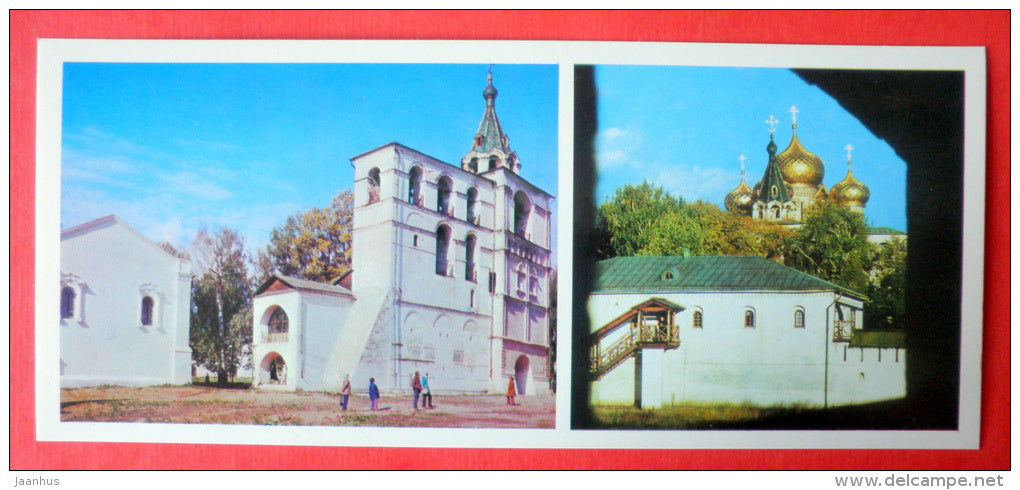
(373, 393)
(511, 392)
(345, 390)
(426, 393)
(416, 387)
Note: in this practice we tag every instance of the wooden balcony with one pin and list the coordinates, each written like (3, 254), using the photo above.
(842, 331)
(651, 325)
(270, 338)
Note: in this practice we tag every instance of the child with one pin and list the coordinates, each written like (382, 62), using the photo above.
(511, 392)
(373, 393)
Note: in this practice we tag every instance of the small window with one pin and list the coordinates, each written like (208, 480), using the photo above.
(373, 185)
(492, 283)
(414, 187)
(472, 200)
(147, 305)
(67, 302)
(442, 250)
(698, 319)
(798, 318)
(749, 318)
(278, 321)
(469, 258)
(443, 196)
(522, 212)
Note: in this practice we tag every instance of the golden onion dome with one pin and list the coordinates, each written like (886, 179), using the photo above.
(800, 166)
(850, 191)
(741, 199)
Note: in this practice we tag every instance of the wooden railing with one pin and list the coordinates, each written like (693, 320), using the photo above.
(268, 338)
(605, 359)
(842, 331)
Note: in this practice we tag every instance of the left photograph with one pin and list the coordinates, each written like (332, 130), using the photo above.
(309, 244)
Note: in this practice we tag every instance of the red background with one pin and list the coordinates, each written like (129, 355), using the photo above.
(914, 28)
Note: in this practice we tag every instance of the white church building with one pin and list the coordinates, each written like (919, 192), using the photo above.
(124, 308)
(451, 277)
(733, 329)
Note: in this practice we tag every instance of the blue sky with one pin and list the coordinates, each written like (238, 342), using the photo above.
(172, 147)
(684, 128)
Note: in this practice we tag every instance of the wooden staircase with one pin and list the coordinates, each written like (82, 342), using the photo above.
(650, 325)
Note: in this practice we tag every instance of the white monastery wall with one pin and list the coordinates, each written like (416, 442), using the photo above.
(773, 363)
(111, 268)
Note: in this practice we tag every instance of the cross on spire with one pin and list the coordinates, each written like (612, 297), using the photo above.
(793, 113)
(741, 158)
(771, 121)
(848, 149)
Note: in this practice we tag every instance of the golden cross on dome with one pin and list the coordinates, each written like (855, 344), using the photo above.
(848, 149)
(771, 121)
(741, 158)
(793, 112)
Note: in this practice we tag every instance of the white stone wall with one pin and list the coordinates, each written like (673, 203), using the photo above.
(450, 325)
(112, 267)
(262, 350)
(316, 322)
(773, 363)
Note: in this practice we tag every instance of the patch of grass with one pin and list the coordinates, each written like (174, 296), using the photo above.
(690, 416)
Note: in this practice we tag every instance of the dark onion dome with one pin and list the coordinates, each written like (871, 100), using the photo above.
(772, 187)
(850, 191)
(490, 92)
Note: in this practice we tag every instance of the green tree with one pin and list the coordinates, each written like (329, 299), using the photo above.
(833, 244)
(221, 292)
(314, 245)
(887, 308)
(676, 233)
(623, 223)
(646, 220)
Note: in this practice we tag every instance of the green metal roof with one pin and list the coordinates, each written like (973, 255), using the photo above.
(878, 338)
(884, 230)
(654, 273)
(489, 128)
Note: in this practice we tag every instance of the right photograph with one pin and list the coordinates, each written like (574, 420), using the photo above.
(767, 248)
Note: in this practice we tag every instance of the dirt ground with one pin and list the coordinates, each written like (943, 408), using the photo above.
(209, 405)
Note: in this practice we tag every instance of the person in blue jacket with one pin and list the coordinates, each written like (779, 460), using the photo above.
(426, 393)
(373, 393)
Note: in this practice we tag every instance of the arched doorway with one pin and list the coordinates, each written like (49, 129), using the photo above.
(272, 370)
(522, 371)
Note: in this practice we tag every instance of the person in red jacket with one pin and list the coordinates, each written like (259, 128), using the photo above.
(511, 392)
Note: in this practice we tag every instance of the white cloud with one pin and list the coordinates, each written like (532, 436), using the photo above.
(615, 148)
(696, 182)
(191, 184)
